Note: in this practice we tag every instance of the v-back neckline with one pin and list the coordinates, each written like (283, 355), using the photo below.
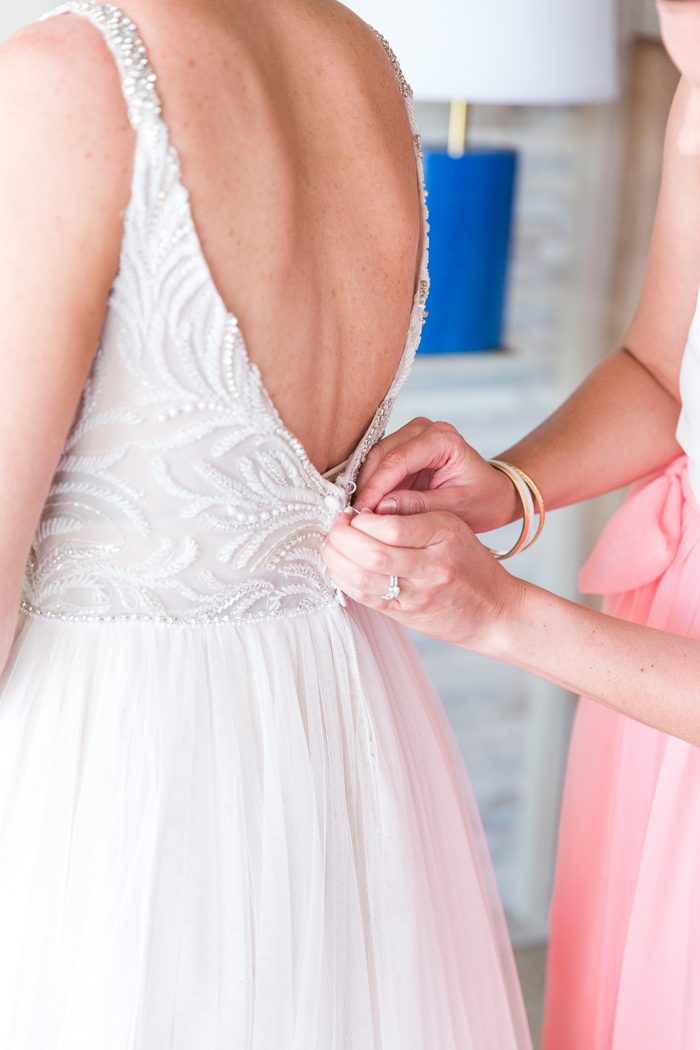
(125, 28)
(348, 467)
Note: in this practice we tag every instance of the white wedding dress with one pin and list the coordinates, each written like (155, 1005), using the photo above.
(232, 816)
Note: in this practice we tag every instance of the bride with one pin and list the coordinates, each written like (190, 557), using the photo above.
(231, 813)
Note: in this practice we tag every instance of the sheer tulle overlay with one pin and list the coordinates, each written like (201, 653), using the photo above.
(250, 836)
(624, 966)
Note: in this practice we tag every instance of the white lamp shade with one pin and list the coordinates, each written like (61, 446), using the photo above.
(502, 51)
(508, 51)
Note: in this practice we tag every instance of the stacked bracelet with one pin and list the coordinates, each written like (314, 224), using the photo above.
(531, 499)
(539, 505)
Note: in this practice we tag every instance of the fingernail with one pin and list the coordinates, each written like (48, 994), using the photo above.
(388, 506)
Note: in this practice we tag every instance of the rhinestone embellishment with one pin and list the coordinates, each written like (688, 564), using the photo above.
(138, 78)
(176, 620)
(404, 85)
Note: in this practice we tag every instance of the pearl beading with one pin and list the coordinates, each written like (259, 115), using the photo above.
(316, 536)
(179, 620)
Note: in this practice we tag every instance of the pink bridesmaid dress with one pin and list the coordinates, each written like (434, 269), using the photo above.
(624, 969)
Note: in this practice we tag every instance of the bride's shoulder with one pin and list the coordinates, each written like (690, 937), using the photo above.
(61, 69)
(370, 48)
(63, 110)
(67, 154)
(363, 69)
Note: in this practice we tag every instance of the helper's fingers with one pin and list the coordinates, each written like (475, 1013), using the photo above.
(378, 454)
(362, 585)
(423, 501)
(374, 556)
(429, 450)
(417, 531)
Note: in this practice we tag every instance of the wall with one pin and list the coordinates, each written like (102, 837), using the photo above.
(513, 729)
(16, 13)
(589, 179)
(646, 20)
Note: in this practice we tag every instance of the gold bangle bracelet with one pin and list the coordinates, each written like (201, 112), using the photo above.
(522, 489)
(539, 504)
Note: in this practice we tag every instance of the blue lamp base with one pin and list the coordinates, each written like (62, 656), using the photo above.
(471, 210)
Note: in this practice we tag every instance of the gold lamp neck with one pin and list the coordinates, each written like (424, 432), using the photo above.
(459, 126)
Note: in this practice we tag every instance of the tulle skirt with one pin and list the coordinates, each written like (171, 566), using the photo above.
(240, 838)
(624, 969)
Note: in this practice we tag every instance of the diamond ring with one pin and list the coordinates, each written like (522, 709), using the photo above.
(394, 590)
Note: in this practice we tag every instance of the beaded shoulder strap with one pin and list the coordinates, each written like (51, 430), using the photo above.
(137, 75)
(123, 39)
(404, 85)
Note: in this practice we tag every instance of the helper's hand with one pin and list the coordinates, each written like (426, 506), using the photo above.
(429, 466)
(451, 587)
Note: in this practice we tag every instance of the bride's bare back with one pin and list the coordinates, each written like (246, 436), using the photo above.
(299, 159)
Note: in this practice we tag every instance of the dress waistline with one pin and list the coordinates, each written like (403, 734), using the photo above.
(694, 480)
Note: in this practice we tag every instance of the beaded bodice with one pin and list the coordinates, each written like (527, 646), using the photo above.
(180, 495)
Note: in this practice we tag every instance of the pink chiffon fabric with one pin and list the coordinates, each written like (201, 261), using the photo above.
(624, 969)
